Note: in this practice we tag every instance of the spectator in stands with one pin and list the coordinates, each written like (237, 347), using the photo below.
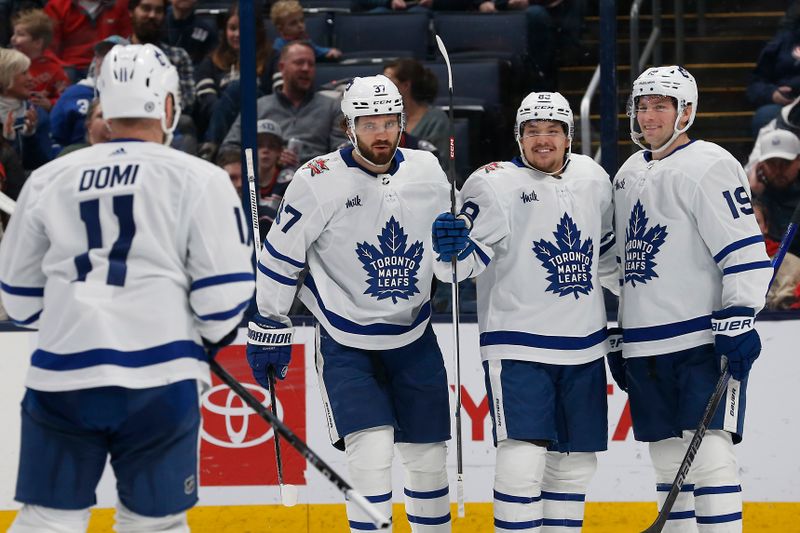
(272, 182)
(230, 160)
(25, 126)
(147, 19)
(77, 26)
(188, 31)
(96, 127)
(33, 32)
(775, 81)
(777, 187)
(311, 118)
(288, 18)
(12, 174)
(68, 118)
(220, 68)
(419, 87)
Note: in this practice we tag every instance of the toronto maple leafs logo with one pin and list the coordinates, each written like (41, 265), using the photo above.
(393, 268)
(317, 166)
(641, 246)
(568, 261)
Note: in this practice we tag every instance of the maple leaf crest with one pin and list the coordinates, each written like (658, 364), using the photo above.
(317, 166)
(641, 246)
(568, 260)
(391, 266)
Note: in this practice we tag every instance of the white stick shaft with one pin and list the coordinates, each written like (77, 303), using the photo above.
(7, 204)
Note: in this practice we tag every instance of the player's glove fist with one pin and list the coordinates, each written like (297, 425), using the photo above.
(736, 339)
(269, 344)
(616, 363)
(451, 236)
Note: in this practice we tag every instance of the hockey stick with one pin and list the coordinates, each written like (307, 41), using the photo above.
(455, 300)
(380, 521)
(716, 397)
(288, 492)
(7, 204)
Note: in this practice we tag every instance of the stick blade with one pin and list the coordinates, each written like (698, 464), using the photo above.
(288, 495)
(460, 497)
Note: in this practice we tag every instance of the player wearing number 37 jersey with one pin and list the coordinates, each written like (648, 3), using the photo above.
(694, 275)
(128, 257)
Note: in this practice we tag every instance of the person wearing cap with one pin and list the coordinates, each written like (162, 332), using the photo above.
(272, 181)
(77, 27)
(68, 117)
(776, 185)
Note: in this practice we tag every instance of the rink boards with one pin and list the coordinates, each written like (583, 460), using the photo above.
(237, 466)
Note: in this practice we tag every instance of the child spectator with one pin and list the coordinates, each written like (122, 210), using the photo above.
(97, 130)
(287, 16)
(33, 32)
(230, 160)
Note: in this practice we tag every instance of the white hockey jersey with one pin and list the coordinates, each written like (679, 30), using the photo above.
(543, 245)
(366, 240)
(124, 255)
(689, 245)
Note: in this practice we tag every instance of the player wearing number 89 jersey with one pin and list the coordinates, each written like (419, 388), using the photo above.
(128, 257)
(694, 274)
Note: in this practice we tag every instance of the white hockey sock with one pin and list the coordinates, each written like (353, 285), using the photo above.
(129, 522)
(427, 493)
(667, 456)
(38, 519)
(369, 462)
(717, 492)
(518, 486)
(566, 478)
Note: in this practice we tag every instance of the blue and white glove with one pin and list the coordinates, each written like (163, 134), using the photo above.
(269, 344)
(451, 236)
(616, 363)
(736, 338)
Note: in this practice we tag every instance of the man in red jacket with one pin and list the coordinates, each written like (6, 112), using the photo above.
(78, 26)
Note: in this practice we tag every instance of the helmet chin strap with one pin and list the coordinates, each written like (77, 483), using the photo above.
(168, 130)
(530, 166)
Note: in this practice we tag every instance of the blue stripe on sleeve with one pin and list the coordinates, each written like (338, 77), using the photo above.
(277, 277)
(741, 243)
(128, 359)
(483, 257)
(285, 258)
(348, 326)
(225, 315)
(744, 267)
(221, 280)
(607, 246)
(551, 342)
(27, 321)
(22, 291)
(666, 331)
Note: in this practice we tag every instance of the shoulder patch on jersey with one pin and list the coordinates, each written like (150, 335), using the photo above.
(490, 167)
(568, 261)
(317, 166)
(641, 246)
(392, 269)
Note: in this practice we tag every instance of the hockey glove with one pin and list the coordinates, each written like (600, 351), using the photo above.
(616, 363)
(451, 236)
(269, 344)
(212, 348)
(736, 339)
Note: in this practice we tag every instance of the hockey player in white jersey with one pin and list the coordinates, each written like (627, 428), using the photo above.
(359, 220)
(128, 257)
(537, 231)
(695, 273)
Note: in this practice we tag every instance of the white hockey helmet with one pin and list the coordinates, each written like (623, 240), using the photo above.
(544, 106)
(370, 95)
(672, 81)
(135, 81)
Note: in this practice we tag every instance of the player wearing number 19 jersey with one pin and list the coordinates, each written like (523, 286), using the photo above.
(694, 274)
